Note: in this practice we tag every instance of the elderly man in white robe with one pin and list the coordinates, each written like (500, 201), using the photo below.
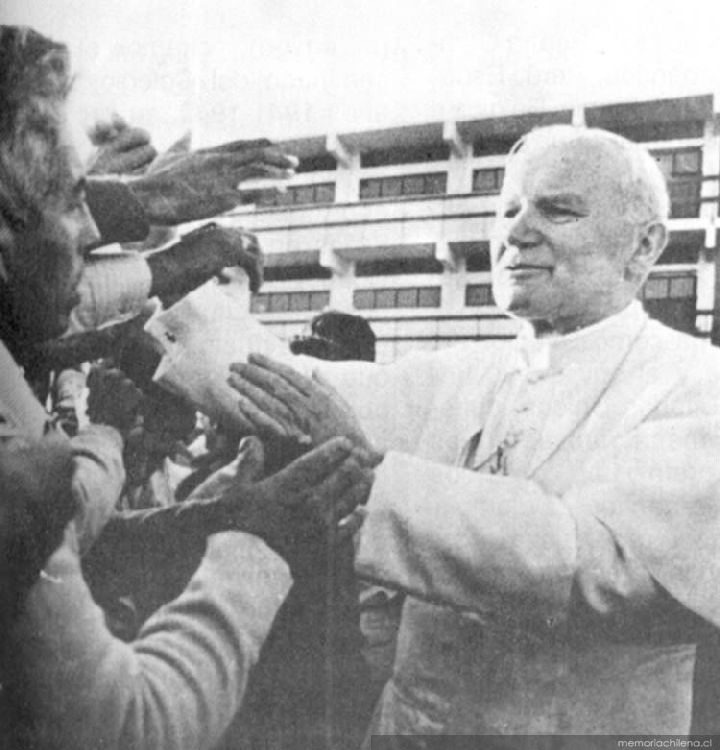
(551, 505)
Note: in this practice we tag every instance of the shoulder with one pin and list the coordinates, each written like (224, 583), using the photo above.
(692, 364)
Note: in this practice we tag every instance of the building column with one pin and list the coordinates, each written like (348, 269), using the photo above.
(347, 178)
(343, 278)
(459, 164)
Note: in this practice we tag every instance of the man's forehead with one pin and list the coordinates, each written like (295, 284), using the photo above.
(578, 167)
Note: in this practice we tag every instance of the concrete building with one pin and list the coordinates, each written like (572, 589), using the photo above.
(394, 224)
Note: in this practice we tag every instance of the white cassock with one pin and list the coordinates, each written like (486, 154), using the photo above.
(553, 509)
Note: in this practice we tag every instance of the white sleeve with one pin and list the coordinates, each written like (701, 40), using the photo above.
(113, 288)
(178, 686)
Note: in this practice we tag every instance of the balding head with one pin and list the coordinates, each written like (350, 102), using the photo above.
(641, 187)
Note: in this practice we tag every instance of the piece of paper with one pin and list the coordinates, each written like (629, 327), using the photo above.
(201, 336)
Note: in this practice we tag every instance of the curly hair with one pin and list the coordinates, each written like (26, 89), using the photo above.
(34, 84)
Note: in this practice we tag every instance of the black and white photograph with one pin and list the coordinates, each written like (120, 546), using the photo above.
(359, 374)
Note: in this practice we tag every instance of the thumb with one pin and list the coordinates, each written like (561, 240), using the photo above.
(251, 460)
(182, 145)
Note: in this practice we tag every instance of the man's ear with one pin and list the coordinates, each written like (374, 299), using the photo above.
(649, 244)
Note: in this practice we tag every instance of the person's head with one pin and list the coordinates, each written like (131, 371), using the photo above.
(45, 224)
(582, 218)
(337, 337)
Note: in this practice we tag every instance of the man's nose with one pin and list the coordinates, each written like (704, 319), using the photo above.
(520, 230)
(89, 234)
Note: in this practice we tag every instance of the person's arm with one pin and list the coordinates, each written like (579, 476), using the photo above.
(98, 480)
(627, 536)
(181, 682)
(182, 188)
(627, 533)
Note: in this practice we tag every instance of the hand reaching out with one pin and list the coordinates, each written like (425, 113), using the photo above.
(320, 488)
(186, 186)
(279, 401)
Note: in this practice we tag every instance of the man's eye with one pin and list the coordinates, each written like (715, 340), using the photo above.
(510, 212)
(559, 211)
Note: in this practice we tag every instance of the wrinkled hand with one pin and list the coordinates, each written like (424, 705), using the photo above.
(114, 399)
(184, 187)
(202, 254)
(321, 488)
(281, 402)
(121, 148)
(36, 504)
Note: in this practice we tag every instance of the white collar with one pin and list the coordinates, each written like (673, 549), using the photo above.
(601, 342)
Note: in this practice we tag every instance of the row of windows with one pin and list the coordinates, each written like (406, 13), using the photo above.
(299, 195)
(682, 169)
(280, 302)
(434, 183)
(375, 299)
(658, 287)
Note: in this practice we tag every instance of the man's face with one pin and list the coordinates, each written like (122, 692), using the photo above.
(45, 260)
(561, 241)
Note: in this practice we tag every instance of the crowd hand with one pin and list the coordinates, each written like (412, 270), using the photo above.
(201, 255)
(36, 504)
(321, 489)
(184, 186)
(121, 148)
(114, 399)
(281, 402)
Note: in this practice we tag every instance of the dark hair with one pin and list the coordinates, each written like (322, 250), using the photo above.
(34, 83)
(338, 337)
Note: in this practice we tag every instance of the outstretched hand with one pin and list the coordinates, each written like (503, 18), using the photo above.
(319, 489)
(202, 254)
(186, 186)
(281, 402)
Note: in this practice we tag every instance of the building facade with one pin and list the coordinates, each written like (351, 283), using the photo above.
(395, 224)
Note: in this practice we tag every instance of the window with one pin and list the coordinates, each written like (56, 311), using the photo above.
(407, 155)
(280, 302)
(434, 183)
(296, 272)
(494, 145)
(369, 299)
(683, 172)
(299, 195)
(397, 266)
(488, 181)
(478, 295)
(683, 247)
(669, 286)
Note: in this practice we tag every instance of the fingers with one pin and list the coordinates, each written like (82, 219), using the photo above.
(289, 375)
(251, 460)
(338, 495)
(248, 145)
(310, 470)
(266, 157)
(130, 160)
(266, 413)
(131, 138)
(274, 384)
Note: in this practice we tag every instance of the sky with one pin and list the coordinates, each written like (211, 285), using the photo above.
(229, 69)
